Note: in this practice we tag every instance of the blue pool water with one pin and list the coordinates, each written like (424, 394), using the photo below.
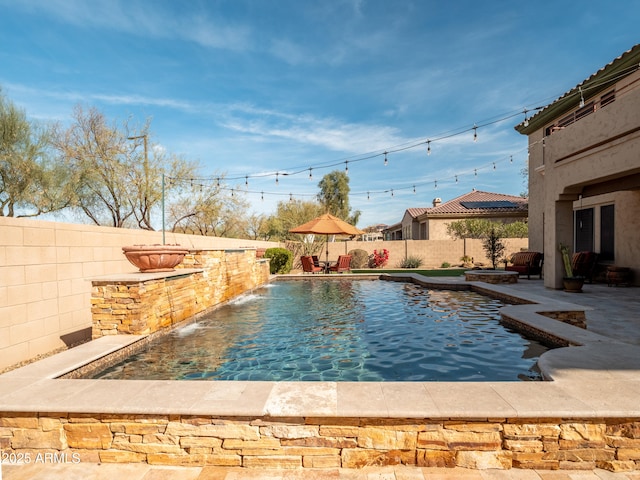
(342, 330)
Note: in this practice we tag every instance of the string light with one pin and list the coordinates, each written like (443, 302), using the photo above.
(475, 172)
(346, 167)
(386, 162)
(526, 119)
(456, 178)
(414, 189)
(428, 147)
(392, 192)
(368, 198)
(494, 165)
(581, 97)
(246, 180)
(475, 133)
(310, 174)
(262, 196)
(435, 184)
(277, 183)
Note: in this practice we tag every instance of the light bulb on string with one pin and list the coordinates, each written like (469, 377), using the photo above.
(346, 167)
(277, 183)
(526, 118)
(435, 184)
(581, 97)
(475, 133)
(392, 192)
(510, 158)
(475, 172)
(414, 189)
(262, 196)
(246, 180)
(368, 198)
(291, 197)
(456, 178)
(310, 174)
(217, 181)
(494, 165)
(232, 193)
(428, 147)
(386, 162)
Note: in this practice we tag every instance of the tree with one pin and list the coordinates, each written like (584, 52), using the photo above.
(290, 214)
(493, 246)
(115, 182)
(211, 210)
(334, 196)
(481, 228)
(30, 184)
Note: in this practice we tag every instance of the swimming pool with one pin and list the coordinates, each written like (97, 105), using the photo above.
(342, 330)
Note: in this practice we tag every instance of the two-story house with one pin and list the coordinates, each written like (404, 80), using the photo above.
(584, 170)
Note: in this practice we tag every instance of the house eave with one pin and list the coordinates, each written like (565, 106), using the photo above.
(626, 64)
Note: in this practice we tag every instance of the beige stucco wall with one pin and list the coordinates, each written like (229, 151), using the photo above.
(432, 252)
(45, 272)
(588, 157)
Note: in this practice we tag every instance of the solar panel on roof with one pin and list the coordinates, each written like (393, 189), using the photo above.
(490, 204)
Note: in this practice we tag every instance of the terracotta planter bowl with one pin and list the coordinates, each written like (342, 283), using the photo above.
(155, 258)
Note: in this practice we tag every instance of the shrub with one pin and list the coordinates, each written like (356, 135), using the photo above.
(445, 265)
(379, 258)
(359, 258)
(281, 260)
(410, 262)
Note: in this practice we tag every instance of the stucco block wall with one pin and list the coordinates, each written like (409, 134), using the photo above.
(432, 252)
(45, 272)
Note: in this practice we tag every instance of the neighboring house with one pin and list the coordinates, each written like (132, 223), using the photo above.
(584, 170)
(430, 223)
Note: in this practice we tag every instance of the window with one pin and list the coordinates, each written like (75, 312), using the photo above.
(584, 230)
(607, 232)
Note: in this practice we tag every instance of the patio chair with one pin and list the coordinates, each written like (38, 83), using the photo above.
(308, 266)
(526, 263)
(316, 260)
(342, 265)
(583, 264)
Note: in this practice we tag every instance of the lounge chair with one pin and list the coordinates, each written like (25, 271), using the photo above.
(342, 265)
(308, 266)
(526, 263)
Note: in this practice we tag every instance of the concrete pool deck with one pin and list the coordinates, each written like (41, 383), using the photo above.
(599, 379)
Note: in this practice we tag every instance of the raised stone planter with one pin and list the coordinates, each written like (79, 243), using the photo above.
(491, 276)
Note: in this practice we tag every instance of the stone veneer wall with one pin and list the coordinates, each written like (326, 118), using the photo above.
(550, 443)
(134, 305)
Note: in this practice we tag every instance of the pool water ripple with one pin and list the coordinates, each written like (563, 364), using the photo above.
(342, 330)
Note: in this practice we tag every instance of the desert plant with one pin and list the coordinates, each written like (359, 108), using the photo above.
(445, 265)
(281, 260)
(359, 258)
(410, 262)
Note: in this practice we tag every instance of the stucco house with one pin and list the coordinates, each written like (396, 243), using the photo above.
(584, 170)
(430, 223)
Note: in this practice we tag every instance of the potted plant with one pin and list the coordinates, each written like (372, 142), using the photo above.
(572, 283)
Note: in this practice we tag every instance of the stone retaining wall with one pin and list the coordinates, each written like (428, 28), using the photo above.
(141, 304)
(612, 444)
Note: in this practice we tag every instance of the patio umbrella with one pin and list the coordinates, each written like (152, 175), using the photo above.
(326, 224)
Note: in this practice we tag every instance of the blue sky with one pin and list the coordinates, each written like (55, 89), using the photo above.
(255, 87)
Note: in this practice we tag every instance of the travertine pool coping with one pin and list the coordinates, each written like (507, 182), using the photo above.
(597, 378)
